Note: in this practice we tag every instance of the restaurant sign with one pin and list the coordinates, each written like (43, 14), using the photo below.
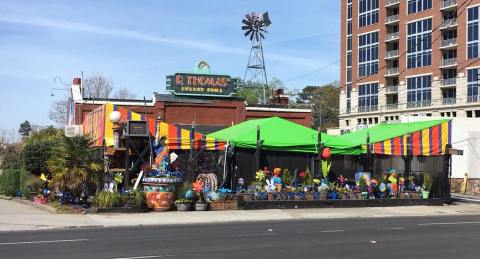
(201, 85)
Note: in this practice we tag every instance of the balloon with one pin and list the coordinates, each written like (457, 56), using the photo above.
(326, 153)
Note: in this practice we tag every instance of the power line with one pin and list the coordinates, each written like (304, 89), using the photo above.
(313, 71)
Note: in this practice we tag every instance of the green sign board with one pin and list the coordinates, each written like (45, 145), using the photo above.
(201, 85)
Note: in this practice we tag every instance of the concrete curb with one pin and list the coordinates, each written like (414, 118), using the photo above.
(3, 197)
(45, 208)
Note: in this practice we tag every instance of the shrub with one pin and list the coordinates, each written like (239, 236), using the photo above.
(106, 199)
(11, 158)
(15, 180)
(37, 150)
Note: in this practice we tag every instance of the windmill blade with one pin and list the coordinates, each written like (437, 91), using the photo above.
(246, 27)
(261, 35)
(248, 32)
(245, 22)
(251, 36)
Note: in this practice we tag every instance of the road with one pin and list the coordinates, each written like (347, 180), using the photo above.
(425, 237)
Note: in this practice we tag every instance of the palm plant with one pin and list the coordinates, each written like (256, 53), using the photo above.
(73, 165)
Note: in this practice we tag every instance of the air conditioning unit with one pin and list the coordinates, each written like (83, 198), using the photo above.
(135, 129)
(73, 130)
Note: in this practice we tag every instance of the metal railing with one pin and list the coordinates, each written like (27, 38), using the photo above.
(392, 18)
(391, 71)
(392, 36)
(425, 103)
(392, 106)
(391, 53)
(449, 101)
(473, 99)
(448, 62)
(448, 23)
(391, 89)
(448, 81)
(448, 42)
(367, 108)
(448, 3)
(391, 2)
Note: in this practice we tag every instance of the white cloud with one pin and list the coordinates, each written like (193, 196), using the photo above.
(134, 35)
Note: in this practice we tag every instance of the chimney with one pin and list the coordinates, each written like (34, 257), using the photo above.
(76, 90)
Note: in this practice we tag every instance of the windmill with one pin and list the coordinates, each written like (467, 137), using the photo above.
(255, 27)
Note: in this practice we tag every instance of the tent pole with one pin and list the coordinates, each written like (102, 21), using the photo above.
(257, 153)
(192, 139)
(368, 155)
(320, 148)
(447, 163)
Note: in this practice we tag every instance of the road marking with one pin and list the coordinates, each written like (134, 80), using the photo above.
(253, 235)
(449, 223)
(155, 256)
(399, 228)
(43, 241)
(331, 231)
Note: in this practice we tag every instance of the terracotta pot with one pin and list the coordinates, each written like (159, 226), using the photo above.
(309, 196)
(160, 201)
(323, 195)
(270, 196)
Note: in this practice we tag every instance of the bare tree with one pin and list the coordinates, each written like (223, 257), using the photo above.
(59, 111)
(97, 86)
(123, 93)
(8, 136)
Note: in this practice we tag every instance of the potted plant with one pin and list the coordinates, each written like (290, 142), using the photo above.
(323, 189)
(362, 184)
(332, 191)
(135, 199)
(39, 199)
(287, 180)
(183, 204)
(201, 203)
(426, 186)
(107, 199)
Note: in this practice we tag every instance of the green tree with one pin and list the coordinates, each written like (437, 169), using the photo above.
(252, 92)
(11, 157)
(74, 166)
(37, 150)
(325, 104)
(25, 129)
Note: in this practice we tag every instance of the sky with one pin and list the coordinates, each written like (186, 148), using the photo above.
(136, 44)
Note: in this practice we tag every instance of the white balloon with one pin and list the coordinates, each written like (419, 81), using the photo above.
(115, 116)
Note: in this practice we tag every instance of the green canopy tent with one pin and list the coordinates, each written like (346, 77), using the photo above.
(276, 134)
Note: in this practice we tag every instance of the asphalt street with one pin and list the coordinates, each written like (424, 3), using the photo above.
(425, 237)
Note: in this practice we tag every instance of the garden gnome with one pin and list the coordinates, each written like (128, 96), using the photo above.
(277, 180)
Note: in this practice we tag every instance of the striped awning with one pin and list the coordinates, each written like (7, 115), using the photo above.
(177, 138)
(426, 142)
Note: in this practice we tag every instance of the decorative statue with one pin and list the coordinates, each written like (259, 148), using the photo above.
(326, 163)
(277, 180)
(240, 185)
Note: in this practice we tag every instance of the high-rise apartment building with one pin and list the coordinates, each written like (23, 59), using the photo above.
(409, 57)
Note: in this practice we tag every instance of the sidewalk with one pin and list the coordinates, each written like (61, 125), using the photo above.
(18, 216)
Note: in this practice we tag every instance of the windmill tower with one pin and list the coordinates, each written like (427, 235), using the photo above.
(255, 26)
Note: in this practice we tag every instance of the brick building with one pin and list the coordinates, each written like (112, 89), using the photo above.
(412, 57)
(207, 113)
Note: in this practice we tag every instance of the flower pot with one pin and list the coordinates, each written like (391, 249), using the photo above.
(425, 194)
(201, 206)
(270, 196)
(246, 196)
(309, 196)
(333, 195)
(288, 188)
(323, 195)
(184, 206)
(415, 195)
(160, 201)
(343, 196)
(364, 195)
(40, 200)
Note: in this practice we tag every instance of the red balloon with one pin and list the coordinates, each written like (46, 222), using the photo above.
(326, 153)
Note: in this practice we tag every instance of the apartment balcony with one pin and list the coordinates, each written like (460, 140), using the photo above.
(392, 106)
(448, 82)
(473, 99)
(449, 24)
(392, 19)
(391, 3)
(367, 108)
(392, 72)
(449, 101)
(448, 5)
(391, 36)
(391, 54)
(420, 104)
(448, 63)
(448, 43)
(391, 89)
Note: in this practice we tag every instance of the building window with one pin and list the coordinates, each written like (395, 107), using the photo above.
(419, 44)
(368, 97)
(349, 43)
(473, 32)
(368, 54)
(349, 59)
(368, 12)
(469, 114)
(347, 122)
(419, 91)
(473, 82)
(349, 97)
(477, 113)
(415, 6)
(349, 10)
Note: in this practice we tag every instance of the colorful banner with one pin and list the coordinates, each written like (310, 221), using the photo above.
(426, 142)
(94, 126)
(177, 138)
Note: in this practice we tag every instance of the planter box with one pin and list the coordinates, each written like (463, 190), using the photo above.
(224, 205)
(184, 206)
(38, 200)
